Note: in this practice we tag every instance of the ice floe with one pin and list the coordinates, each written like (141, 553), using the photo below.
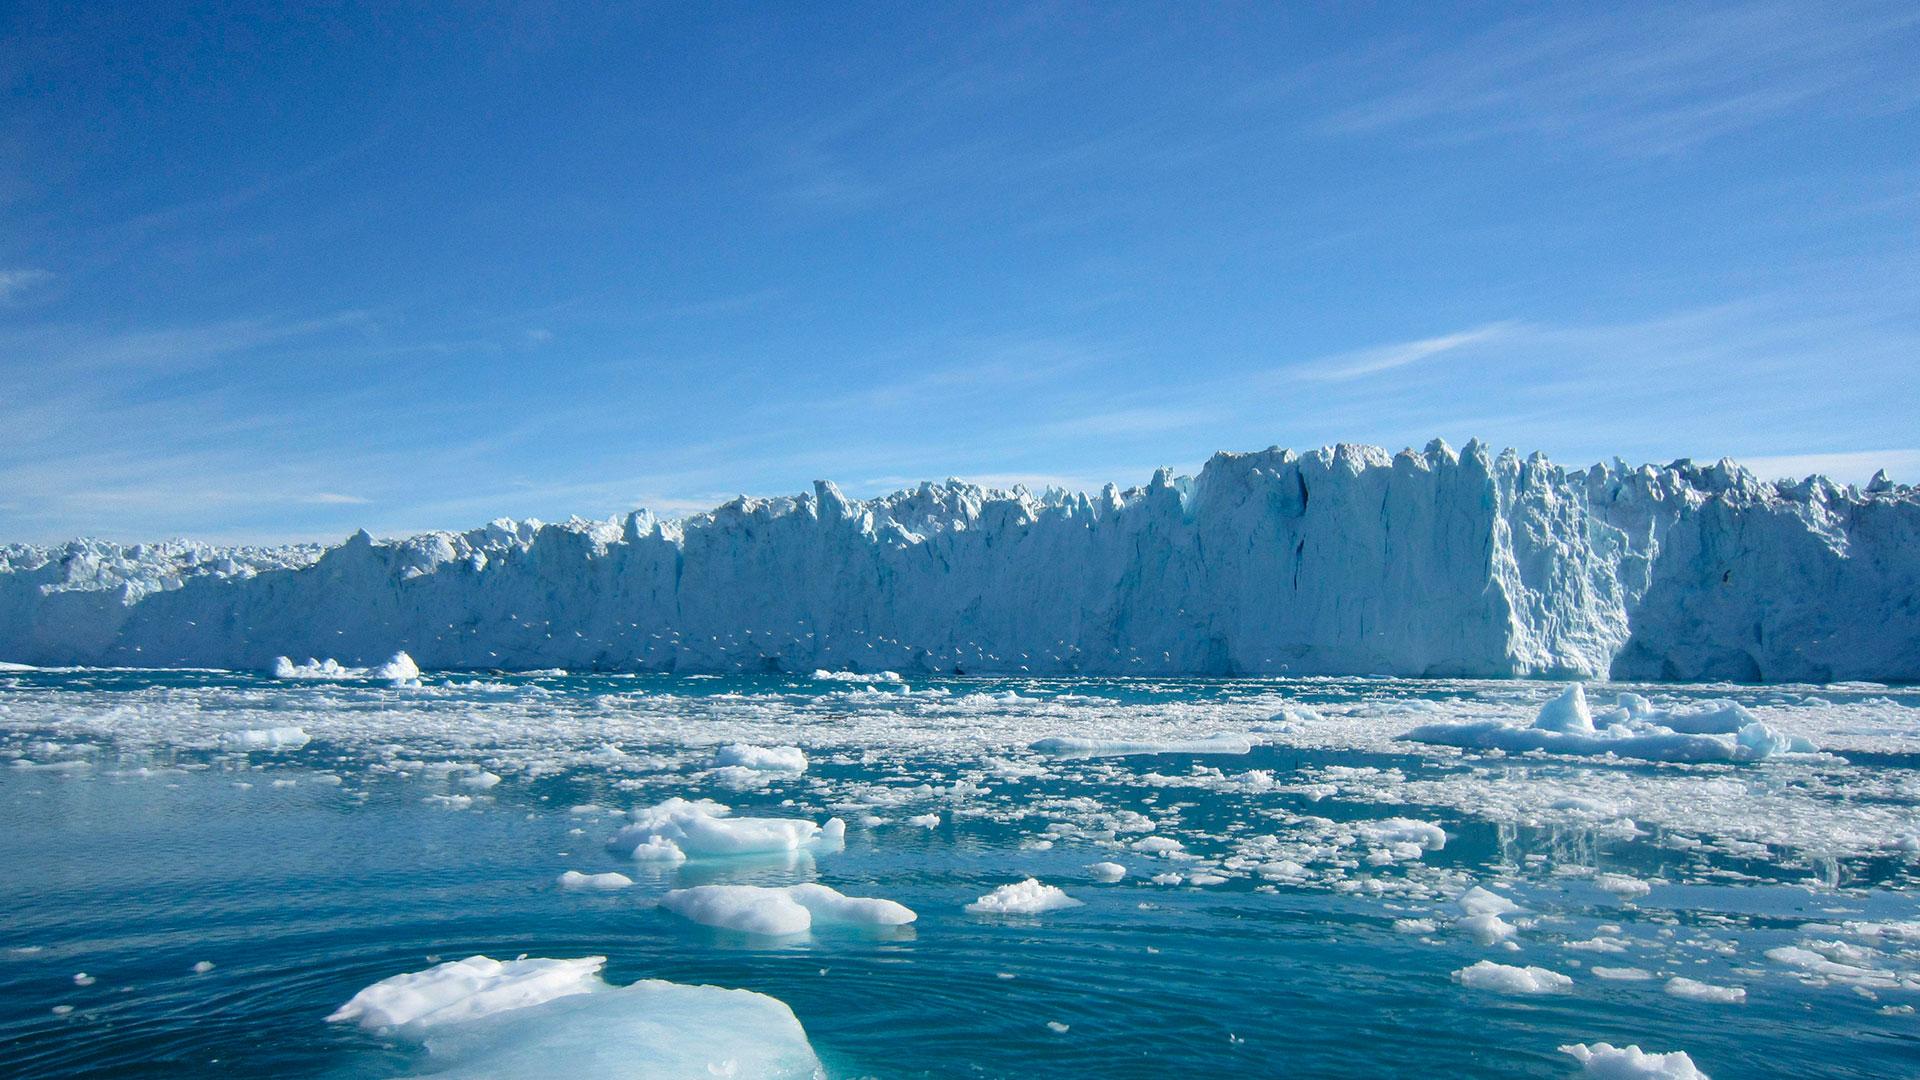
(527, 1018)
(1506, 979)
(680, 828)
(574, 879)
(1721, 731)
(782, 910)
(1693, 990)
(278, 738)
(1028, 897)
(777, 759)
(1608, 1062)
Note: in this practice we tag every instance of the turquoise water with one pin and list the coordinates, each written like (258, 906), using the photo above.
(137, 843)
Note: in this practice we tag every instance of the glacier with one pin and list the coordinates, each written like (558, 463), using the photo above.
(1344, 560)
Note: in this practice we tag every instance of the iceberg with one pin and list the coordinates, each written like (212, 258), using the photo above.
(1720, 731)
(680, 828)
(1344, 560)
(481, 1017)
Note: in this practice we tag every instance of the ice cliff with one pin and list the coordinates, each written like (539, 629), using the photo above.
(1341, 561)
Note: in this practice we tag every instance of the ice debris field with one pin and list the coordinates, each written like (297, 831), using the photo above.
(363, 868)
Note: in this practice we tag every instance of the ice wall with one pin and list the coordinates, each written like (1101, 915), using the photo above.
(1341, 561)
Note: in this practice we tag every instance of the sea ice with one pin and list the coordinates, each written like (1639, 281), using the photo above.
(482, 1018)
(1722, 731)
(279, 738)
(790, 909)
(1506, 979)
(1608, 1062)
(574, 879)
(1682, 987)
(680, 828)
(466, 990)
(779, 759)
(1028, 897)
(1068, 746)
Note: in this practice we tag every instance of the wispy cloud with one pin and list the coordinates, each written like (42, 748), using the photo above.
(1853, 466)
(1382, 358)
(15, 282)
(1651, 80)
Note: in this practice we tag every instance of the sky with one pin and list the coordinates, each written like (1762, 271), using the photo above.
(281, 275)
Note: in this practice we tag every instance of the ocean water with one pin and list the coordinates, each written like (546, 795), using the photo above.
(141, 834)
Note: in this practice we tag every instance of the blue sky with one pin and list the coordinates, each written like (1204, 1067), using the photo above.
(269, 276)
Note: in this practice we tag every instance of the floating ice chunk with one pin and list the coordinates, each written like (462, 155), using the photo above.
(1633, 705)
(1479, 901)
(1487, 928)
(1823, 962)
(657, 849)
(1028, 897)
(1414, 926)
(703, 828)
(279, 738)
(400, 669)
(574, 879)
(1622, 886)
(1682, 987)
(1077, 747)
(481, 780)
(285, 668)
(782, 759)
(202, 967)
(539, 1018)
(1621, 974)
(792, 909)
(451, 802)
(823, 675)
(1506, 979)
(925, 821)
(1107, 871)
(1402, 839)
(1608, 1062)
(1723, 731)
(1164, 846)
(461, 990)
(1567, 714)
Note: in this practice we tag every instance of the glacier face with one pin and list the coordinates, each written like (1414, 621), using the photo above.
(1340, 561)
